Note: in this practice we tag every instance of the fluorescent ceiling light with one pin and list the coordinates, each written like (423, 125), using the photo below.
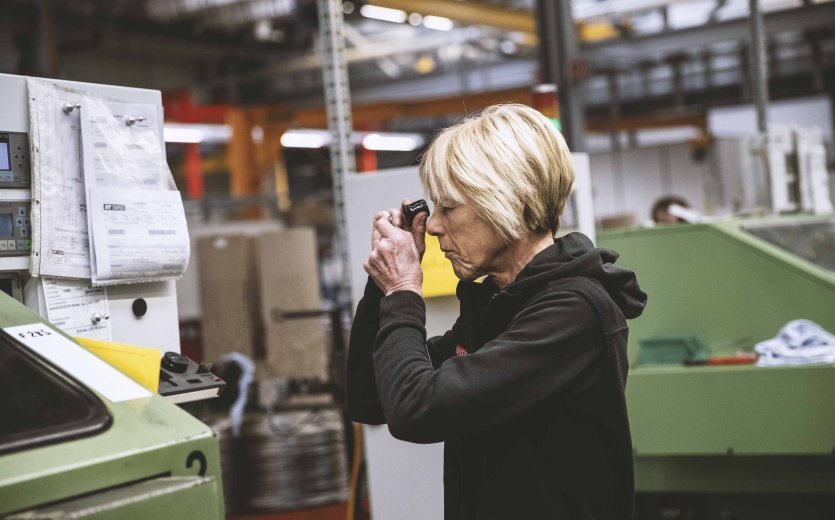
(378, 141)
(182, 135)
(439, 23)
(383, 13)
(392, 142)
(196, 133)
(303, 138)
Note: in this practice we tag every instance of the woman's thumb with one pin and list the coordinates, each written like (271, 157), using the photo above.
(419, 228)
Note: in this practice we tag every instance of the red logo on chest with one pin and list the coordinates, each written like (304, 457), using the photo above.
(460, 350)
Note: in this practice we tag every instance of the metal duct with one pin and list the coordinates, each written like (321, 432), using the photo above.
(220, 13)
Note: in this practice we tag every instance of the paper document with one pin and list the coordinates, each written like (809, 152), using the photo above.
(73, 359)
(137, 234)
(136, 219)
(59, 210)
(77, 308)
(122, 145)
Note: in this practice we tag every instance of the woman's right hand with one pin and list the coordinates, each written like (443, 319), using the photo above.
(395, 216)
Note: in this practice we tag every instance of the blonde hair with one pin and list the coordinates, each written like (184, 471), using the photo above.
(509, 162)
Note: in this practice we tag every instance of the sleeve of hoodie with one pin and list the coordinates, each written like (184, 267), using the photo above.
(546, 348)
(362, 399)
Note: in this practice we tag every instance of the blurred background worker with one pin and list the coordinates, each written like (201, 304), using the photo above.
(671, 209)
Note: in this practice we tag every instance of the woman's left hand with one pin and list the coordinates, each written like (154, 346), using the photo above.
(394, 262)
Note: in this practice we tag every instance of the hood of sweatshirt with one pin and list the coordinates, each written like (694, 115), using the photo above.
(575, 255)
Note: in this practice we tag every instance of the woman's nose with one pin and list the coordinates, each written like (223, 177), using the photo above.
(432, 226)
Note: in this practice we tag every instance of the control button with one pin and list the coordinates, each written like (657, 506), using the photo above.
(21, 244)
(24, 232)
(21, 211)
(4, 246)
(28, 244)
(12, 245)
(20, 221)
(174, 362)
(139, 307)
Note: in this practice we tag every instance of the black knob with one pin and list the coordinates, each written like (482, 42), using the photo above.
(174, 362)
(139, 307)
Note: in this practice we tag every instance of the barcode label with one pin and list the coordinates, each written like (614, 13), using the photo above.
(162, 232)
(115, 231)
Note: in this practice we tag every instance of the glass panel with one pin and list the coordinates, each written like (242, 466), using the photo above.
(812, 240)
(40, 404)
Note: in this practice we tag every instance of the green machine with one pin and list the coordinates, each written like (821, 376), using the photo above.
(69, 452)
(731, 429)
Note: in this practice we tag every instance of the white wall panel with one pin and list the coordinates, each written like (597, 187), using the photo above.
(606, 200)
(688, 176)
(642, 180)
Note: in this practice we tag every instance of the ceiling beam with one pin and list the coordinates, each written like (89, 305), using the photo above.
(667, 42)
(470, 13)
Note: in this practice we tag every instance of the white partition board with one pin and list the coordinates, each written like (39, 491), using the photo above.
(405, 480)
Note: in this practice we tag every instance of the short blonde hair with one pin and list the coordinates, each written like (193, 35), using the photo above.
(509, 162)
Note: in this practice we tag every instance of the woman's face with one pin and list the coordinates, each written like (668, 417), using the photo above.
(467, 240)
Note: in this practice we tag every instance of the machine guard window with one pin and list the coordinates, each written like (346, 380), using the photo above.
(811, 240)
(40, 404)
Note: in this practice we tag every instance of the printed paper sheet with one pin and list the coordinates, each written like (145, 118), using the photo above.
(137, 233)
(137, 224)
(60, 245)
(77, 308)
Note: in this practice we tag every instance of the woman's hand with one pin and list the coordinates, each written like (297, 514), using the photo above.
(396, 253)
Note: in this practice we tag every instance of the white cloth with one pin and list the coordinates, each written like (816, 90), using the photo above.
(236, 412)
(799, 342)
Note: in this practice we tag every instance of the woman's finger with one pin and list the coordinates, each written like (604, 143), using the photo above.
(396, 217)
(375, 238)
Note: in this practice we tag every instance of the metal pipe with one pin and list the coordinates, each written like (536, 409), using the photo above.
(560, 64)
(759, 65)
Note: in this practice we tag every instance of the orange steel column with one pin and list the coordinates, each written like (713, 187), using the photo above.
(244, 174)
(194, 172)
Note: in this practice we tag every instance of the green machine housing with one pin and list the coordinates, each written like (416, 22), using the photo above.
(144, 458)
(742, 428)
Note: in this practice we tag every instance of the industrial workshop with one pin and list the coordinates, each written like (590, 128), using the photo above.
(417, 259)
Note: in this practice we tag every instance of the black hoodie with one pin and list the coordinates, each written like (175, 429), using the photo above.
(527, 389)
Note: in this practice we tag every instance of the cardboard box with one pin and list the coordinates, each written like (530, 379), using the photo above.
(296, 341)
(228, 297)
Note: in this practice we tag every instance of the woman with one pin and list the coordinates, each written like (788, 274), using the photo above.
(527, 389)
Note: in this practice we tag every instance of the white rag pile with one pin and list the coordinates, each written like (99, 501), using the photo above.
(799, 342)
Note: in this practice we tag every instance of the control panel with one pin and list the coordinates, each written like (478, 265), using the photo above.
(15, 228)
(14, 160)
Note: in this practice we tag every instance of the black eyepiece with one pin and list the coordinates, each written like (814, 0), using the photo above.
(410, 211)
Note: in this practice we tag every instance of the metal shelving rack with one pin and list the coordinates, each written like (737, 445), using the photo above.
(338, 106)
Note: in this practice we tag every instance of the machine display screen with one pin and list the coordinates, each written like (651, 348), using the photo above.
(5, 158)
(812, 240)
(41, 405)
(6, 225)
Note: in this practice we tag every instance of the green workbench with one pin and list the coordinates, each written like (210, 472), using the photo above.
(733, 429)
